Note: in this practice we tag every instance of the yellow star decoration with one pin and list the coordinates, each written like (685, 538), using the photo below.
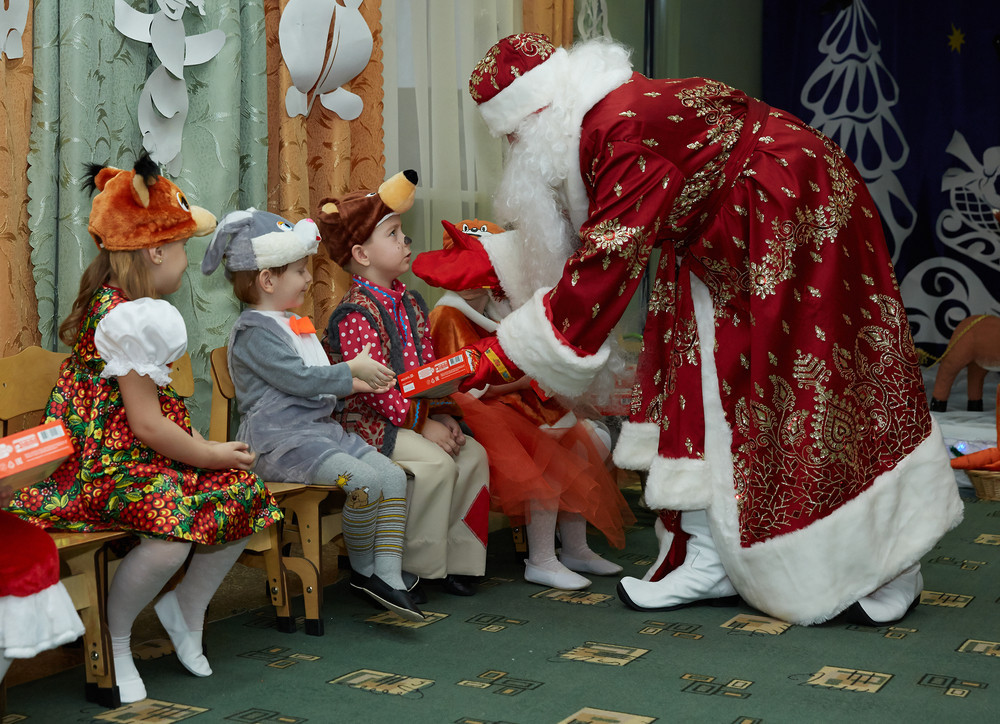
(956, 39)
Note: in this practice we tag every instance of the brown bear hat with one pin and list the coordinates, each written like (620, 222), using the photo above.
(347, 221)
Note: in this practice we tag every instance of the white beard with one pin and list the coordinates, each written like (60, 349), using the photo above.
(541, 194)
(530, 199)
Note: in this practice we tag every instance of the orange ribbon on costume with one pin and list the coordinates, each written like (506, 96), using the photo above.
(301, 325)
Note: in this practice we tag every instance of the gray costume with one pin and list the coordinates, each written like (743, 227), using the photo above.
(282, 418)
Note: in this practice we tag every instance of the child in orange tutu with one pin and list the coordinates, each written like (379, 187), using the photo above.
(546, 466)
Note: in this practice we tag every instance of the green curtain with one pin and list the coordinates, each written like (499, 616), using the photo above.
(88, 77)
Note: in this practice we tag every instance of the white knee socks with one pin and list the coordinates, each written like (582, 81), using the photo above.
(542, 567)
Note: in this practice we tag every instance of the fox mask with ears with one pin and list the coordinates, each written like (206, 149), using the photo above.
(139, 208)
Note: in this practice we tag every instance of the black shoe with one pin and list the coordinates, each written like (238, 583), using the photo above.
(459, 585)
(411, 581)
(397, 601)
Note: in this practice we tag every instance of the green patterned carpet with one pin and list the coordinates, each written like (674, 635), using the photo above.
(521, 654)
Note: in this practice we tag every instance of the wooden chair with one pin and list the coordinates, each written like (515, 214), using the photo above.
(305, 522)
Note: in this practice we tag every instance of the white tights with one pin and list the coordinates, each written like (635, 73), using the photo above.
(146, 569)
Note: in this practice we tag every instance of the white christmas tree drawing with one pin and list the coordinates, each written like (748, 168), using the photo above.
(851, 95)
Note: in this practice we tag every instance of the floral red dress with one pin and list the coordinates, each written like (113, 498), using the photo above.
(115, 482)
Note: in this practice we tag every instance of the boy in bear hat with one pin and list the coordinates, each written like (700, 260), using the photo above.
(287, 391)
(449, 505)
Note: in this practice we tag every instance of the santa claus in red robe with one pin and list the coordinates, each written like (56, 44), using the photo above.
(779, 404)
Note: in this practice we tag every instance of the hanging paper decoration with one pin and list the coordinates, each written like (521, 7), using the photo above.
(592, 19)
(12, 23)
(163, 103)
(324, 45)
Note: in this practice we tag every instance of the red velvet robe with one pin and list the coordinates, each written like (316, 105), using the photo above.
(778, 384)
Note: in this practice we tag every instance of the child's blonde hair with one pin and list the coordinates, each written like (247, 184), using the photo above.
(130, 271)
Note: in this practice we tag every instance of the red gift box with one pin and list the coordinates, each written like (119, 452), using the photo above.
(32, 455)
(439, 378)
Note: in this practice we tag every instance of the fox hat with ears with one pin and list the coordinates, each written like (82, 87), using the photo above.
(139, 208)
(348, 220)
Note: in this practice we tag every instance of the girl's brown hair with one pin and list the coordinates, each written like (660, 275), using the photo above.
(129, 269)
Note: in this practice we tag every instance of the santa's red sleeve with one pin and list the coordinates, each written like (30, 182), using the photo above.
(558, 336)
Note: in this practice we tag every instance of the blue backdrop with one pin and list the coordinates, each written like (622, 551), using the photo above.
(910, 89)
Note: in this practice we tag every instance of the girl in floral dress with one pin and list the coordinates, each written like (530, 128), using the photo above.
(139, 464)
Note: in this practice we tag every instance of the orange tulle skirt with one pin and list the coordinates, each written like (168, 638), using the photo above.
(561, 470)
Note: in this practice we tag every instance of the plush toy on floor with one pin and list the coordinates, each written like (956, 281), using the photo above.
(975, 347)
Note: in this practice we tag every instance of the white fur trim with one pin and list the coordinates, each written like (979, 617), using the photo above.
(528, 338)
(637, 445)
(810, 575)
(526, 94)
(813, 574)
(678, 484)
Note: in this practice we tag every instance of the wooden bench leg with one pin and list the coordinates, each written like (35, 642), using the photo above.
(304, 506)
(89, 582)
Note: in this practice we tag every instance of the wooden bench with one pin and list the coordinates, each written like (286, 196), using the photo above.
(312, 519)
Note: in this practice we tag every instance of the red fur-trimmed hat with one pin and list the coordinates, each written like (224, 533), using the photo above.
(517, 76)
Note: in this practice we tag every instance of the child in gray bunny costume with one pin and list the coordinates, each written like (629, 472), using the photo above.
(287, 390)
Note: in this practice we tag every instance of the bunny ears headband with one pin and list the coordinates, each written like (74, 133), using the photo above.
(252, 240)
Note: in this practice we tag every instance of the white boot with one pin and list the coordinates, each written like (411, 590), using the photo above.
(700, 577)
(890, 602)
(665, 539)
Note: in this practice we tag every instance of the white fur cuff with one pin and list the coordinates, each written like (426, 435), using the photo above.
(637, 445)
(678, 484)
(526, 335)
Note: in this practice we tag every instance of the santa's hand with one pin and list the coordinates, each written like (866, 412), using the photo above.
(493, 366)
(375, 374)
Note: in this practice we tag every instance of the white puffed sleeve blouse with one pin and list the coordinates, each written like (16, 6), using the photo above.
(144, 336)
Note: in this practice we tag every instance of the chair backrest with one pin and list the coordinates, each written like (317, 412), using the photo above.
(182, 376)
(223, 392)
(26, 381)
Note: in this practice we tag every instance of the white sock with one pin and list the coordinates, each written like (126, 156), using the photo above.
(541, 532)
(576, 554)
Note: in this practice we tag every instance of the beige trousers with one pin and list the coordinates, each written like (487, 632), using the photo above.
(446, 523)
